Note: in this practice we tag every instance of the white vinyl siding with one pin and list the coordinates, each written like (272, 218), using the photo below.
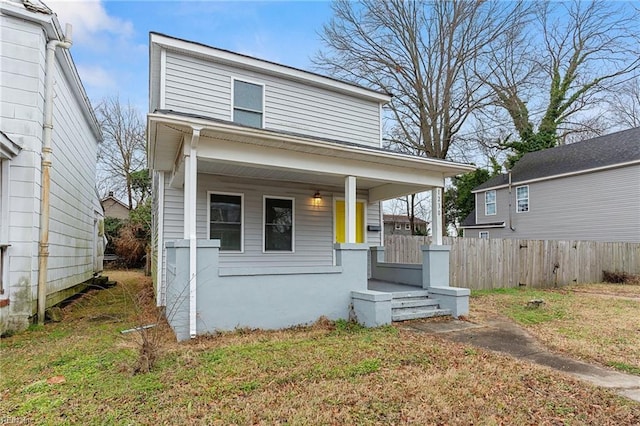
(490, 203)
(73, 200)
(202, 87)
(313, 236)
(522, 199)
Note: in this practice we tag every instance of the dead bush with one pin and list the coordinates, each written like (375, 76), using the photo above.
(130, 244)
(620, 277)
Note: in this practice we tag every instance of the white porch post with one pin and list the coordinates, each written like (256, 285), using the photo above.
(436, 216)
(350, 209)
(190, 184)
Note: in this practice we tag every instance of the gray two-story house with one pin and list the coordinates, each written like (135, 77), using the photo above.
(267, 188)
(588, 190)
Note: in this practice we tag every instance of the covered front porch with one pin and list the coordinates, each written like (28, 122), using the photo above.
(305, 213)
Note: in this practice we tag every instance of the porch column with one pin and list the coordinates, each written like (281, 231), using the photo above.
(436, 216)
(350, 209)
(190, 184)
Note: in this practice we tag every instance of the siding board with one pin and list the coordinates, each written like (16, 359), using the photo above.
(198, 86)
(598, 206)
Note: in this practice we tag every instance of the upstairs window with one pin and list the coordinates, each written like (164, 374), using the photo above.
(490, 203)
(522, 199)
(225, 220)
(248, 103)
(278, 224)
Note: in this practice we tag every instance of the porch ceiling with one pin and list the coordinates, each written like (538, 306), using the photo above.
(231, 150)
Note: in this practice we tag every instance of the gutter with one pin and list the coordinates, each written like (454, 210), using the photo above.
(47, 127)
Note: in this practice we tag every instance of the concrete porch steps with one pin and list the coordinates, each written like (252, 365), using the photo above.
(408, 305)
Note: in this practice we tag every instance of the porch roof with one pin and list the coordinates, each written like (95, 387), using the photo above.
(229, 149)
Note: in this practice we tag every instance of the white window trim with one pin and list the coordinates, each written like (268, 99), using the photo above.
(397, 226)
(528, 199)
(407, 227)
(483, 232)
(495, 201)
(293, 224)
(237, 194)
(364, 219)
(244, 80)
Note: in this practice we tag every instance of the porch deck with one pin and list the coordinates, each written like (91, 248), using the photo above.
(389, 287)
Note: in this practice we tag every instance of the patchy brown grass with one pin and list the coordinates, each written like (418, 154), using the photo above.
(330, 373)
(596, 322)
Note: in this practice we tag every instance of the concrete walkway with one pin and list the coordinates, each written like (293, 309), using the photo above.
(504, 336)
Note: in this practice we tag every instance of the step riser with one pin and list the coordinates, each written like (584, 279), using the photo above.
(420, 303)
(414, 305)
(418, 315)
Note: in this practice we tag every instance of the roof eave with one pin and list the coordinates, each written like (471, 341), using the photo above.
(247, 62)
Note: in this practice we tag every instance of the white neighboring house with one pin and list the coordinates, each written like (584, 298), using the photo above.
(43, 260)
(268, 182)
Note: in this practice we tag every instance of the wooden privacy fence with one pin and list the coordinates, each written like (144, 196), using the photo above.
(495, 263)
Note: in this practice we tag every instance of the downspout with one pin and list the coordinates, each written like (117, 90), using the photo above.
(510, 206)
(43, 248)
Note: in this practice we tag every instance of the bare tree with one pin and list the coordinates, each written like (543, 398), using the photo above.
(424, 53)
(624, 106)
(548, 72)
(122, 153)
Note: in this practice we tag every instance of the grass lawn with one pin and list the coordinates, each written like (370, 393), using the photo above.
(596, 322)
(79, 371)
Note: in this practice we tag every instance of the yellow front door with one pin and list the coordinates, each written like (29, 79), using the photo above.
(340, 226)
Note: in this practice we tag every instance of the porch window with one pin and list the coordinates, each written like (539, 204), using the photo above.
(248, 103)
(278, 224)
(522, 199)
(490, 203)
(225, 220)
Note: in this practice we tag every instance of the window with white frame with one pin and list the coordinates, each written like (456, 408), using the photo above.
(248, 103)
(490, 203)
(484, 235)
(407, 227)
(522, 199)
(225, 220)
(278, 224)
(397, 226)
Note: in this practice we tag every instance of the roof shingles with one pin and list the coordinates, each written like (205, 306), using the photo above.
(608, 150)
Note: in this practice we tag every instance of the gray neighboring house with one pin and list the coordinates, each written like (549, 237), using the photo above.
(588, 190)
(399, 224)
(267, 183)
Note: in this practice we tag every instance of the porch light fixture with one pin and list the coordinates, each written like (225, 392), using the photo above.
(317, 198)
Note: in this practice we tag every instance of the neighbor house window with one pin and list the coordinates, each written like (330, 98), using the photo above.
(248, 103)
(522, 199)
(490, 203)
(278, 224)
(225, 220)
(484, 235)
(407, 227)
(398, 226)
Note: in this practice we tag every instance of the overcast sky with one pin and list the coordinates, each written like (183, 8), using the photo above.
(110, 38)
